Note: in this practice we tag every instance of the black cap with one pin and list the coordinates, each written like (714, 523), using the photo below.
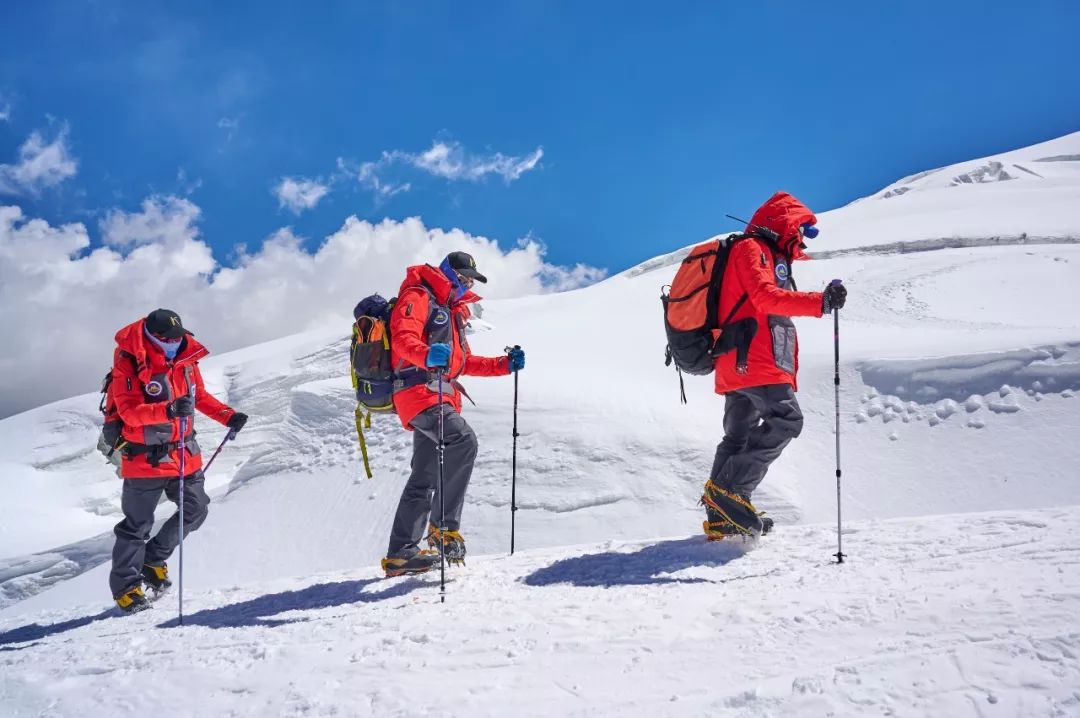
(165, 323)
(465, 265)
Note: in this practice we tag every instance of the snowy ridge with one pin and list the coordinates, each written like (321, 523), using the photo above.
(917, 621)
(1050, 162)
(959, 370)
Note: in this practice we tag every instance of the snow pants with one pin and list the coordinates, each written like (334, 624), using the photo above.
(420, 498)
(759, 422)
(139, 499)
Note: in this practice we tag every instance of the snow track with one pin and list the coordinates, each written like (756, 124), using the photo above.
(946, 615)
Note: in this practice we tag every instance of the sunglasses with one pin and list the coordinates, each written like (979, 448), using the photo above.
(165, 340)
(466, 282)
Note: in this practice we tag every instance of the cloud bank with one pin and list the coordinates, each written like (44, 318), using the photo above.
(63, 300)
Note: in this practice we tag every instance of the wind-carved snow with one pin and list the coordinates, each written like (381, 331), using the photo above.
(990, 172)
(936, 389)
(1051, 368)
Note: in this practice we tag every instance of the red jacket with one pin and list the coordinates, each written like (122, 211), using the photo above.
(409, 342)
(144, 382)
(762, 271)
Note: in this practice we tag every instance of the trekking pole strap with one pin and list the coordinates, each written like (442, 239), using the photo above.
(360, 437)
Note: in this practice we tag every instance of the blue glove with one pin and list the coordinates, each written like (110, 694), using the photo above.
(517, 358)
(438, 356)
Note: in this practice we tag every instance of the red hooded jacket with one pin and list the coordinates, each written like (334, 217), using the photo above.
(409, 341)
(762, 271)
(144, 382)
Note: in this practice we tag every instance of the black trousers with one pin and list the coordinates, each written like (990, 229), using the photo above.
(759, 422)
(420, 497)
(139, 499)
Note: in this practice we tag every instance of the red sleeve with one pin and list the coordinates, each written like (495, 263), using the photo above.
(207, 403)
(487, 366)
(757, 280)
(407, 329)
(128, 395)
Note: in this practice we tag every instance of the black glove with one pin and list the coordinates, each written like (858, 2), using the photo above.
(833, 297)
(183, 406)
(237, 421)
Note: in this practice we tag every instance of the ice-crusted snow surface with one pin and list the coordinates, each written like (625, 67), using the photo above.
(959, 369)
(949, 615)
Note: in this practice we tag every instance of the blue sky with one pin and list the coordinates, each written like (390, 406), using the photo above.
(610, 131)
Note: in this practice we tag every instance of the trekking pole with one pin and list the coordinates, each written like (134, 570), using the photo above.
(229, 436)
(442, 498)
(513, 460)
(180, 500)
(836, 385)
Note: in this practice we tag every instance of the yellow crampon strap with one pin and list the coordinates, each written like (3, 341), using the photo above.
(361, 423)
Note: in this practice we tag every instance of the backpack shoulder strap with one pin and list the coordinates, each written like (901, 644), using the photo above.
(730, 242)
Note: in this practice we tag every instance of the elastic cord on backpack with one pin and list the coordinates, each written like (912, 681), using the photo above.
(362, 422)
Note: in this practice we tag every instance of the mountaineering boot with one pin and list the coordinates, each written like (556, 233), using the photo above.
(454, 544)
(133, 601)
(420, 562)
(156, 577)
(729, 514)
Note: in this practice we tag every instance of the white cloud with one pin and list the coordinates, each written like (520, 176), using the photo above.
(156, 257)
(451, 161)
(40, 165)
(299, 194)
(447, 160)
(5, 110)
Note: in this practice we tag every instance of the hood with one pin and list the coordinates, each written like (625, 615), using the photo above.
(132, 340)
(437, 282)
(783, 214)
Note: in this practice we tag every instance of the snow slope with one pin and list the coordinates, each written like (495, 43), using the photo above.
(959, 369)
(920, 621)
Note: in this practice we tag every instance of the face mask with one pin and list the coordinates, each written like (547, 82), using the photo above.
(451, 274)
(170, 348)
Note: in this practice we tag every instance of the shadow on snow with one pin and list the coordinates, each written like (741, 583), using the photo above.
(256, 612)
(652, 564)
(36, 631)
(260, 611)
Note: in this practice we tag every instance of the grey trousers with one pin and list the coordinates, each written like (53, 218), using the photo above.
(139, 499)
(420, 496)
(759, 422)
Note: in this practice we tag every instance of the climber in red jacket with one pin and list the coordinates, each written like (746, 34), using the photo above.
(155, 384)
(761, 414)
(427, 329)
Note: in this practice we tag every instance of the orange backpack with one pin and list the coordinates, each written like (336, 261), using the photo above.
(691, 307)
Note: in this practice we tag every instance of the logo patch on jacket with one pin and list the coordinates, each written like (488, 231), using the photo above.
(154, 388)
(441, 317)
(781, 272)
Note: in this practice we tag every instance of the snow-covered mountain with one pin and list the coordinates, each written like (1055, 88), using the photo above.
(959, 365)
